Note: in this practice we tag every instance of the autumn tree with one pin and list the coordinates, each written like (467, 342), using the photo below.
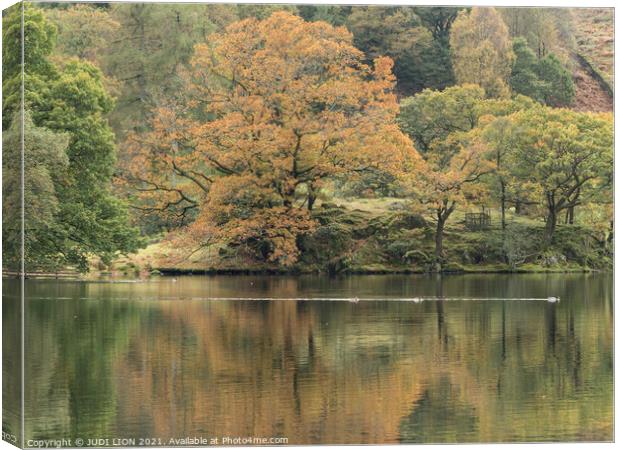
(481, 50)
(272, 106)
(565, 156)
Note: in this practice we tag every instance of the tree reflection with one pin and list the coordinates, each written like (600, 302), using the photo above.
(104, 362)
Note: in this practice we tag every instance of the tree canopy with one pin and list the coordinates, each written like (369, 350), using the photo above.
(481, 49)
(45, 167)
(545, 79)
(69, 98)
(328, 113)
(565, 157)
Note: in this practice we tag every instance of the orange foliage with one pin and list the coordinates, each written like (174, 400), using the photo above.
(269, 107)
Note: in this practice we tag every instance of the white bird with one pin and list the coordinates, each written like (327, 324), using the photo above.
(174, 280)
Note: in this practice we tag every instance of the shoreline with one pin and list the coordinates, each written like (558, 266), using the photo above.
(172, 272)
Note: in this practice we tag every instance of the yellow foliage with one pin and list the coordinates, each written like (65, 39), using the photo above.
(482, 50)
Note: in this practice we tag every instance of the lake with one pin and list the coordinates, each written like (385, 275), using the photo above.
(161, 359)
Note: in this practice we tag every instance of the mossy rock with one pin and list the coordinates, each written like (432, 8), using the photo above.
(326, 243)
(406, 221)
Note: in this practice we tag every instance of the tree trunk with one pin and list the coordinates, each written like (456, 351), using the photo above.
(503, 203)
(288, 195)
(518, 207)
(552, 218)
(311, 196)
(571, 209)
(439, 237)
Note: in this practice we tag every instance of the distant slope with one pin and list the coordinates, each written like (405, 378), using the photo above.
(594, 57)
(594, 36)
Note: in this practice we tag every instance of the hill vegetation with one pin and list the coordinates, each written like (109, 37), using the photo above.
(594, 38)
(594, 52)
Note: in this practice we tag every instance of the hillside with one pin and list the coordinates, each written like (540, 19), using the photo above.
(594, 47)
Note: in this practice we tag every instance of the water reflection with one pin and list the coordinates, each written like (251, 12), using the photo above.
(154, 359)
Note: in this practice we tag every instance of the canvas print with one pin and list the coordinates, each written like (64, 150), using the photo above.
(294, 224)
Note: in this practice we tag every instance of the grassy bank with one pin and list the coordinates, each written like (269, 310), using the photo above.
(383, 236)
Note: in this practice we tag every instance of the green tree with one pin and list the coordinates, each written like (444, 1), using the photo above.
(497, 135)
(545, 80)
(95, 221)
(524, 77)
(557, 83)
(494, 129)
(74, 102)
(333, 14)
(546, 30)
(419, 60)
(44, 166)
(445, 177)
(263, 11)
(446, 129)
(438, 19)
(564, 156)
(431, 116)
(154, 44)
(453, 158)
(84, 30)
(481, 50)
(39, 38)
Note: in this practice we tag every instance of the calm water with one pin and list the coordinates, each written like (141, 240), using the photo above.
(156, 359)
